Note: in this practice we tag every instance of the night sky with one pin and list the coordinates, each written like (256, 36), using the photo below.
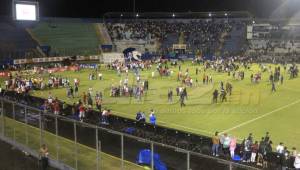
(96, 8)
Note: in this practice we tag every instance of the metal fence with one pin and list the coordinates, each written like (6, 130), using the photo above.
(84, 146)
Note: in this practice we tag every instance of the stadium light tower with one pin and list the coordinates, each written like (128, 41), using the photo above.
(25, 10)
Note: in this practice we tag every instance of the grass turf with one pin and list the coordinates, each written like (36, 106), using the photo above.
(251, 108)
(86, 156)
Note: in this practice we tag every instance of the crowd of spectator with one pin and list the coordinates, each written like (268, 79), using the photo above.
(196, 33)
(255, 152)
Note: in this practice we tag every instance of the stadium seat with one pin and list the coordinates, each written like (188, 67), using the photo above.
(144, 158)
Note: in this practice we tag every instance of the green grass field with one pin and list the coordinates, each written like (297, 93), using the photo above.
(86, 156)
(251, 108)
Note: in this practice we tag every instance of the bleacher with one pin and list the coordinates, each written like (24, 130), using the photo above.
(15, 42)
(71, 38)
(235, 40)
(197, 34)
(272, 36)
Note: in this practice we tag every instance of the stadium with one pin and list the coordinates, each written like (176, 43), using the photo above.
(168, 85)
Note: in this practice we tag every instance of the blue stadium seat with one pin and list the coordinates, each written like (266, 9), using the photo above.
(144, 158)
(129, 130)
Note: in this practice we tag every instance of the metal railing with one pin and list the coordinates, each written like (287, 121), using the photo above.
(84, 146)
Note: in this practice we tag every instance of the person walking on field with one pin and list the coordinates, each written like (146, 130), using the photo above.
(182, 97)
(215, 96)
(170, 96)
(281, 79)
(273, 87)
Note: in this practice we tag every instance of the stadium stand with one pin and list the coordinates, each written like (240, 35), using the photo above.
(200, 35)
(16, 42)
(235, 39)
(103, 34)
(71, 38)
(274, 41)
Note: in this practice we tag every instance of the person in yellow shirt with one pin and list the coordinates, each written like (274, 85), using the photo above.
(215, 144)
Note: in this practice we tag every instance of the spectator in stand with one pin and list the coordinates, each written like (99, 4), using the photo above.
(215, 144)
(105, 115)
(56, 108)
(74, 109)
(268, 153)
(81, 112)
(232, 146)
(226, 144)
(152, 117)
(279, 149)
(254, 150)
(197, 34)
(293, 156)
(44, 107)
(50, 98)
(297, 162)
(284, 159)
(64, 108)
(250, 137)
(44, 156)
(98, 104)
(140, 117)
(247, 150)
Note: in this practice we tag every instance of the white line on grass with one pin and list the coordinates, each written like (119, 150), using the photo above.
(259, 117)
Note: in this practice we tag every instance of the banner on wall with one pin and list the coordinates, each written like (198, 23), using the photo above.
(4, 73)
(54, 59)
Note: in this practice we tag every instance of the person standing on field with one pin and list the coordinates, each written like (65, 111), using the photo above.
(273, 87)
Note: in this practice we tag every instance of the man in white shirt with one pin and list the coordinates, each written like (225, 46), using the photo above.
(152, 74)
(100, 76)
(297, 162)
(280, 148)
(6, 84)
